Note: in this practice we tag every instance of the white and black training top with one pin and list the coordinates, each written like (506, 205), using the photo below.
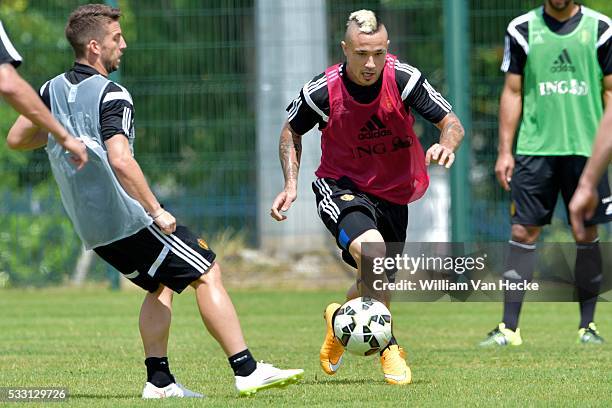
(516, 45)
(100, 209)
(116, 106)
(311, 107)
(8, 53)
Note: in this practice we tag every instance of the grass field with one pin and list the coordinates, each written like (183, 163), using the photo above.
(88, 341)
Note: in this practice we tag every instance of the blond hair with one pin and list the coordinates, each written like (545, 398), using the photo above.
(365, 20)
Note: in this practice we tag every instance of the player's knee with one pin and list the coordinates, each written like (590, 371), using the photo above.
(359, 247)
(525, 234)
(161, 291)
(211, 277)
(166, 293)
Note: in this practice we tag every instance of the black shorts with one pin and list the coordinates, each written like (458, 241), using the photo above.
(347, 213)
(150, 258)
(537, 181)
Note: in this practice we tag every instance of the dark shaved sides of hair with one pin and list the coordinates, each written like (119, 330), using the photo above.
(88, 23)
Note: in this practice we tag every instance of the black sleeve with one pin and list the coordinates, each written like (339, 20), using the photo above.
(310, 109)
(604, 52)
(515, 57)
(8, 53)
(418, 94)
(116, 112)
(44, 95)
(428, 102)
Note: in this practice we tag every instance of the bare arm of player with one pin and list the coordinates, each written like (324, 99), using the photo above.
(585, 199)
(25, 135)
(510, 109)
(451, 135)
(607, 87)
(25, 101)
(290, 153)
(132, 179)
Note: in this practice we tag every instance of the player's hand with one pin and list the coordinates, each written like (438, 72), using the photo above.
(282, 202)
(78, 151)
(504, 167)
(582, 207)
(166, 222)
(441, 154)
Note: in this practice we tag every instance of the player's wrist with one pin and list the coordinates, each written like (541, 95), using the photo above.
(290, 186)
(448, 145)
(585, 183)
(504, 151)
(62, 137)
(156, 213)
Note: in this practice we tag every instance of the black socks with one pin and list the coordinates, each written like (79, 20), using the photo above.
(519, 267)
(243, 363)
(391, 343)
(588, 276)
(158, 371)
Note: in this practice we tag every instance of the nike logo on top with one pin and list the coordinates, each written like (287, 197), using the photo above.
(563, 63)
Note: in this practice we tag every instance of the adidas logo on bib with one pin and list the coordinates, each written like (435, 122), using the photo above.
(373, 129)
(563, 63)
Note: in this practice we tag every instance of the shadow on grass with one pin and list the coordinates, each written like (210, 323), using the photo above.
(106, 396)
(338, 381)
(353, 381)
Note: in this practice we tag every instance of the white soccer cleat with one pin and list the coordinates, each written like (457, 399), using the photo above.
(174, 390)
(266, 376)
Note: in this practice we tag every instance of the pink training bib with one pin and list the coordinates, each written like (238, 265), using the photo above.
(373, 144)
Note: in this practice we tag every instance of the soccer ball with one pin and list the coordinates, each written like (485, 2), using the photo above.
(363, 326)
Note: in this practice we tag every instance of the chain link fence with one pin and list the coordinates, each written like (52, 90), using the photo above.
(190, 67)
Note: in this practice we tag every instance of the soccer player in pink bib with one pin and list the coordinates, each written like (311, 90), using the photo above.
(372, 163)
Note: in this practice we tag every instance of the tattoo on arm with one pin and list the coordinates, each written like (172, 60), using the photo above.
(452, 133)
(290, 152)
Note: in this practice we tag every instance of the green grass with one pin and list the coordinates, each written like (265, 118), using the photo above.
(88, 341)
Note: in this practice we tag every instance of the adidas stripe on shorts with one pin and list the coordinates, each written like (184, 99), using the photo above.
(150, 258)
(348, 212)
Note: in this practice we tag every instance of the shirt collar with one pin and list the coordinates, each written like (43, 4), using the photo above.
(85, 69)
